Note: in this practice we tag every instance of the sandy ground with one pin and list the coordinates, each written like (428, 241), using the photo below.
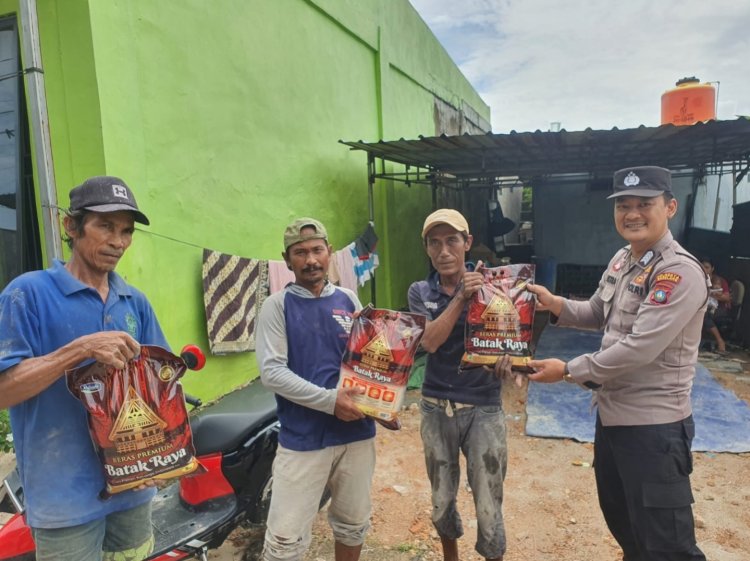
(551, 510)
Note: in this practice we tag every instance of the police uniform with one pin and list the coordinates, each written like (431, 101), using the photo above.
(651, 311)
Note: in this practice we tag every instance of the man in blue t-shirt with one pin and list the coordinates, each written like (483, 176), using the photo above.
(461, 407)
(51, 321)
(325, 440)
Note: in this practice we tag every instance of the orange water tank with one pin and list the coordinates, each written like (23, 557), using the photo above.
(689, 103)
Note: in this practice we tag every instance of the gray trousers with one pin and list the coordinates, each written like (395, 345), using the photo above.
(479, 433)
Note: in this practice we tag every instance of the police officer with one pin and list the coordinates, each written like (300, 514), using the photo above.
(650, 305)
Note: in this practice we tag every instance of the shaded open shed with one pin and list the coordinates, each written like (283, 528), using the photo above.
(570, 176)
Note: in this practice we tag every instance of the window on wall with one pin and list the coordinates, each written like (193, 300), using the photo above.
(20, 247)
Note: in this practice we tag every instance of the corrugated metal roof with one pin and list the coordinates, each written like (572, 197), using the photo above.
(533, 154)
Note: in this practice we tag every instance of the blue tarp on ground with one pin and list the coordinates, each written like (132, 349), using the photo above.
(722, 420)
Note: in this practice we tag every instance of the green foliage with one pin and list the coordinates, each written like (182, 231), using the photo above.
(527, 195)
(6, 438)
(527, 204)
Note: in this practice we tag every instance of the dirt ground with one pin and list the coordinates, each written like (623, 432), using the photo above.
(551, 510)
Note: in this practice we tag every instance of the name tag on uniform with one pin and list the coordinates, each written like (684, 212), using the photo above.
(636, 289)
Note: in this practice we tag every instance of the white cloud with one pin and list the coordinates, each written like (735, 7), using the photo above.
(588, 63)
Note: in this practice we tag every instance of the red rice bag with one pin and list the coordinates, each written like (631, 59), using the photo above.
(500, 317)
(137, 418)
(378, 357)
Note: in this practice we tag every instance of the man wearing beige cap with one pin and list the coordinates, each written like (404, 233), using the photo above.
(461, 408)
(325, 441)
(650, 305)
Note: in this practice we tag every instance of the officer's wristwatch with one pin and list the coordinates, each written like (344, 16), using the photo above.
(566, 375)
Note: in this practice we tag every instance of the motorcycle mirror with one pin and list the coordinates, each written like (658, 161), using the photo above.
(193, 357)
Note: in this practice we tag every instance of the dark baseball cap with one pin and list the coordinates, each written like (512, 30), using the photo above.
(642, 181)
(105, 194)
(293, 232)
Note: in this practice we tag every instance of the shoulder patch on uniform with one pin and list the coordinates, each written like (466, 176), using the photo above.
(660, 296)
(674, 278)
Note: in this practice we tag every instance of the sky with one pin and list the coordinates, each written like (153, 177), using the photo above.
(593, 63)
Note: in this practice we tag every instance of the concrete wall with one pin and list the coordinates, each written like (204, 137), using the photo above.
(224, 118)
(706, 210)
(574, 224)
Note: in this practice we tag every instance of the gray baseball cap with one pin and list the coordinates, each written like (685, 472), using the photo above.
(105, 194)
(293, 232)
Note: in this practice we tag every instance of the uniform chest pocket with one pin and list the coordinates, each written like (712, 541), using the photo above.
(607, 294)
(628, 305)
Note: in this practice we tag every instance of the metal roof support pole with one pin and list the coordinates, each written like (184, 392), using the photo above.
(743, 173)
(433, 183)
(32, 58)
(371, 210)
(718, 200)
(736, 178)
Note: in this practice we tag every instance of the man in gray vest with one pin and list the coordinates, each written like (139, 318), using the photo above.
(650, 305)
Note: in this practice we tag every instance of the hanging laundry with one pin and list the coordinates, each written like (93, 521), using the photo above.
(234, 289)
(333, 271)
(364, 269)
(279, 276)
(345, 265)
(366, 242)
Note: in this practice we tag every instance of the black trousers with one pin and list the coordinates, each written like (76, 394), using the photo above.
(643, 481)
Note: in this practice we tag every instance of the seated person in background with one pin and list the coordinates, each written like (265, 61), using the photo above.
(719, 303)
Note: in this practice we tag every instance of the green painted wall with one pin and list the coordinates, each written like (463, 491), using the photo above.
(72, 92)
(224, 118)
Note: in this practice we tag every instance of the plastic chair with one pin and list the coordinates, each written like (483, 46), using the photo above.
(737, 291)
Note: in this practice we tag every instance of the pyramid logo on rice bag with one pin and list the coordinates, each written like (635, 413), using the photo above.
(501, 314)
(137, 427)
(377, 354)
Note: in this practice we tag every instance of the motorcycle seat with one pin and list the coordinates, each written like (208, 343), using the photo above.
(227, 424)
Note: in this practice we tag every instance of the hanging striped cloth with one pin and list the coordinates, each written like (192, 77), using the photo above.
(234, 289)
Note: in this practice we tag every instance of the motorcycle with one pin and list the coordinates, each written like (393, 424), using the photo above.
(235, 441)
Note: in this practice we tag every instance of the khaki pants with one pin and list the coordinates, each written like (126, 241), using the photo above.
(299, 480)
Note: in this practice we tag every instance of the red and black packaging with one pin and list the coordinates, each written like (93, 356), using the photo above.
(137, 418)
(500, 318)
(378, 357)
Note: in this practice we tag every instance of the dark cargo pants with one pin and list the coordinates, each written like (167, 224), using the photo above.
(643, 481)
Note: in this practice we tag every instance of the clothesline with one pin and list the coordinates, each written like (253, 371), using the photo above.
(234, 288)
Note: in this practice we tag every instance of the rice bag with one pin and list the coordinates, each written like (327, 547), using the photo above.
(378, 357)
(500, 318)
(137, 418)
